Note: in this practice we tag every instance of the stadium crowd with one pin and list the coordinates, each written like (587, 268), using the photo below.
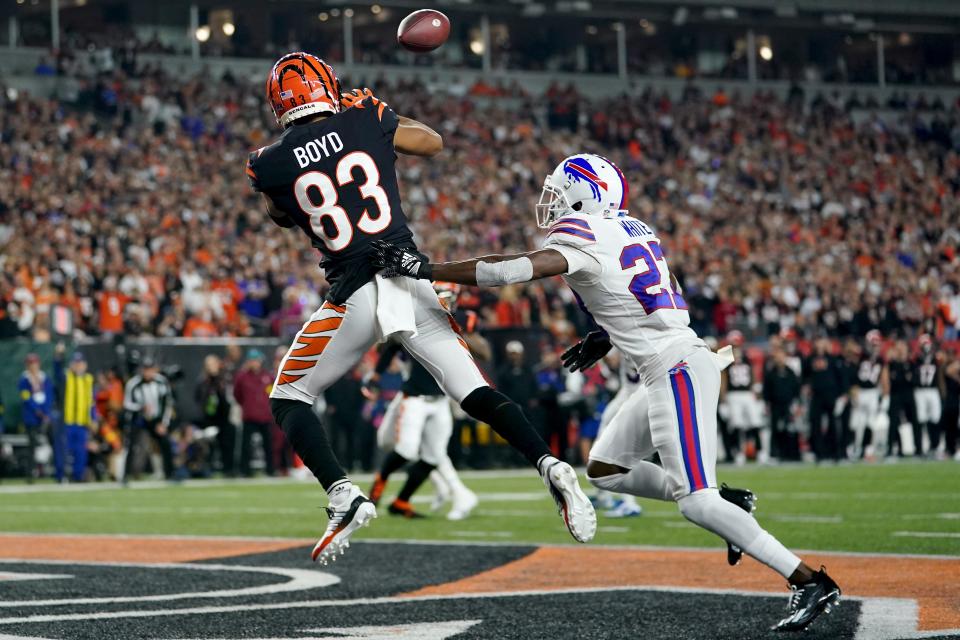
(125, 211)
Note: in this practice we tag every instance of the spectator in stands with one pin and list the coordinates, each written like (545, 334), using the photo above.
(75, 391)
(251, 389)
(36, 407)
(212, 397)
(148, 409)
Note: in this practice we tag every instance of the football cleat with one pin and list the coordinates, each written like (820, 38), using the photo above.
(404, 508)
(624, 509)
(464, 501)
(343, 523)
(744, 499)
(603, 500)
(376, 491)
(808, 601)
(573, 504)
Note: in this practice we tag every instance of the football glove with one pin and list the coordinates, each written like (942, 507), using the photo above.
(352, 98)
(587, 352)
(398, 261)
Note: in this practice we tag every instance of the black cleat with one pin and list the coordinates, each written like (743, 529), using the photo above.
(744, 499)
(808, 601)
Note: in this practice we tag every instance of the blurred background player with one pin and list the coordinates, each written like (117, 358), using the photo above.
(928, 393)
(576, 358)
(823, 378)
(332, 174)
(616, 266)
(905, 436)
(740, 393)
(866, 412)
(417, 427)
(781, 391)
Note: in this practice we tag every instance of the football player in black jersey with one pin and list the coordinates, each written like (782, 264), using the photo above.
(867, 411)
(332, 175)
(928, 392)
(904, 435)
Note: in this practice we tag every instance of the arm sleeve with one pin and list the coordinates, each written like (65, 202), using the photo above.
(386, 118)
(574, 238)
(578, 261)
(252, 172)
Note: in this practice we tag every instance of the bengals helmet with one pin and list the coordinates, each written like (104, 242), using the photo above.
(301, 84)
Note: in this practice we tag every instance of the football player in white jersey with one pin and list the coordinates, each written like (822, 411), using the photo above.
(616, 265)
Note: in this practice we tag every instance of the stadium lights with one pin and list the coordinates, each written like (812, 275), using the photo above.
(766, 52)
(203, 33)
(335, 13)
(229, 29)
(324, 16)
(348, 12)
(375, 9)
(476, 46)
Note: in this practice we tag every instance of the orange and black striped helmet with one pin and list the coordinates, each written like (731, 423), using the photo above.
(301, 84)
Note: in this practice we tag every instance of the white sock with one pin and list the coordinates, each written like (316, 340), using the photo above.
(765, 442)
(340, 494)
(646, 480)
(449, 475)
(707, 509)
(545, 462)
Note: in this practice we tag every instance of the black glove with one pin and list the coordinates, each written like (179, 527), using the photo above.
(587, 352)
(397, 261)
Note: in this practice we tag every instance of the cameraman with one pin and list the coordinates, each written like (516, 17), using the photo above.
(148, 407)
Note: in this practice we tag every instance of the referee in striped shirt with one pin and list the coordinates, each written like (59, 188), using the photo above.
(148, 408)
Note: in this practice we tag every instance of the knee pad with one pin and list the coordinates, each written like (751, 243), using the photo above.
(699, 506)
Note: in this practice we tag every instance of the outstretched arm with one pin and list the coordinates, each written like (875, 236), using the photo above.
(485, 271)
(416, 139)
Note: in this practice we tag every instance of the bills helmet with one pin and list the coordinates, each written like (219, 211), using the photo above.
(586, 184)
(301, 84)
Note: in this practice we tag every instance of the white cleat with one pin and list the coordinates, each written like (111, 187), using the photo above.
(343, 523)
(464, 501)
(575, 508)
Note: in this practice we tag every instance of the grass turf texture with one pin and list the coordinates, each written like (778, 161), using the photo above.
(835, 508)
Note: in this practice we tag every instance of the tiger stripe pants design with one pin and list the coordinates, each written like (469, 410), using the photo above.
(334, 339)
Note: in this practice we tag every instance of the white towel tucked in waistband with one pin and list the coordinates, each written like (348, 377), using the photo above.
(724, 357)
(395, 306)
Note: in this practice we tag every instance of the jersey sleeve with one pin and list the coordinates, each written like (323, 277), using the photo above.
(252, 171)
(574, 239)
(387, 119)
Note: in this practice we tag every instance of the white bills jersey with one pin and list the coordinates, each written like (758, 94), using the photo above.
(617, 269)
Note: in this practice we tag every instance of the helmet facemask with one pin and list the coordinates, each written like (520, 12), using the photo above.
(553, 204)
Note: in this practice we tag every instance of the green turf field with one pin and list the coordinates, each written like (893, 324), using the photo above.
(907, 508)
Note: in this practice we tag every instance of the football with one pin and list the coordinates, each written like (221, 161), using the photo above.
(423, 30)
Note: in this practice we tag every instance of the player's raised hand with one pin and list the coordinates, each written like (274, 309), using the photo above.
(354, 97)
(587, 352)
(400, 261)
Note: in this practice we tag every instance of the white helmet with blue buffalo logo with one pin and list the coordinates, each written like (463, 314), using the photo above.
(582, 184)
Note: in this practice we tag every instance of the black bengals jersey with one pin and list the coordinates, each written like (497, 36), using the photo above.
(740, 377)
(901, 378)
(868, 372)
(335, 178)
(925, 370)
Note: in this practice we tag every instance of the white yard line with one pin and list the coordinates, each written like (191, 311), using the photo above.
(925, 534)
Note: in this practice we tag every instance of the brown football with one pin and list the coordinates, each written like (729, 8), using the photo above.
(423, 30)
